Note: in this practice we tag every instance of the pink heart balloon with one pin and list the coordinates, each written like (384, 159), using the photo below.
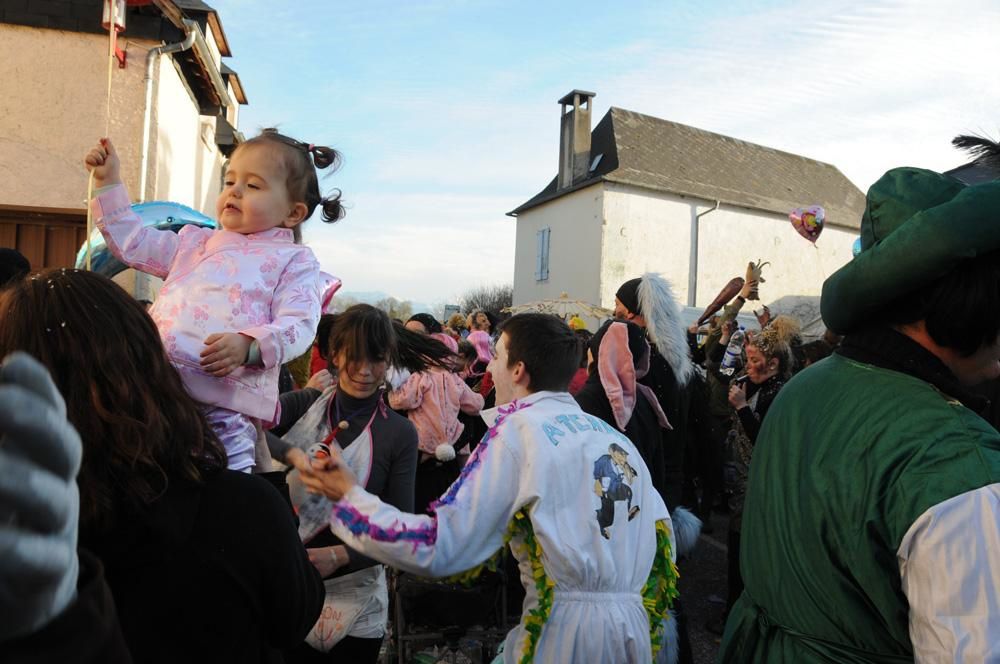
(808, 221)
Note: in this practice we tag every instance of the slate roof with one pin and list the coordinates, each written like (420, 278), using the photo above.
(973, 173)
(652, 153)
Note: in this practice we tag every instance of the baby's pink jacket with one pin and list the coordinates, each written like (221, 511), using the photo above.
(434, 398)
(262, 285)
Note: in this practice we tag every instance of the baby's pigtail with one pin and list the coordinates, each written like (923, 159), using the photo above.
(333, 210)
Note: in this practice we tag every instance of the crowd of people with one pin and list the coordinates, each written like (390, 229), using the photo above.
(229, 475)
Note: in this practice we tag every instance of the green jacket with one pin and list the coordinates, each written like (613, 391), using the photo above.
(849, 456)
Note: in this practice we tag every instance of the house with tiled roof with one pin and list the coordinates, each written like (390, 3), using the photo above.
(174, 112)
(638, 193)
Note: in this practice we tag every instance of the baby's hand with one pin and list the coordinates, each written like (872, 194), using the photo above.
(103, 162)
(225, 352)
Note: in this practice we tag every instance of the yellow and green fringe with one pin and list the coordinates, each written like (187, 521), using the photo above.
(661, 587)
(544, 586)
(534, 621)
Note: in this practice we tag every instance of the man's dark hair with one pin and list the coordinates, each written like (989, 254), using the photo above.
(961, 309)
(549, 349)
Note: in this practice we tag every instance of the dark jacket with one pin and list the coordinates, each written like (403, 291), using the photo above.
(643, 428)
(87, 632)
(210, 572)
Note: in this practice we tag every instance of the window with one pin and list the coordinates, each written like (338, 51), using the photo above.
(542, 254)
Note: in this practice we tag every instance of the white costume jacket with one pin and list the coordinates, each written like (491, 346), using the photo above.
(591, 535)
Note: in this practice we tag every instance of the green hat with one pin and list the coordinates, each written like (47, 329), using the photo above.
(918, 225)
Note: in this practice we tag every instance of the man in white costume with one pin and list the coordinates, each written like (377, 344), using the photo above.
(591, 596)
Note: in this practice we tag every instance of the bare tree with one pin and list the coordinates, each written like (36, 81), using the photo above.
(395, 308)
(487, 298)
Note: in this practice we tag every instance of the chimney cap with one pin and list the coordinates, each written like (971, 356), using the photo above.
(569, 100)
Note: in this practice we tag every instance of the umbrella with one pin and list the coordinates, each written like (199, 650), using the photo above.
(163, 215)
(563, 307)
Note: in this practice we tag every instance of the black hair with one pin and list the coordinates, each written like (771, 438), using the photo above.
(811, 353)
(467, 352)
(585, 336)
(549, 349)
(615, 447)
(323, 328)
(431, 324)
(362, 333)
(301, 161)
(961, 309)
(418, 352)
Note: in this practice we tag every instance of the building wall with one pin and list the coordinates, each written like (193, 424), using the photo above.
(643, 231)
(604, 235)
(574, 248)
(53, 110)
(188, 163)
(729, 238)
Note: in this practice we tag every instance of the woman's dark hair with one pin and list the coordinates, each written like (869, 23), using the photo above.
(467, 352)
(362, 333)
(140, 428)
(301, 161)
(961, 309)
(365, 333)
(418, 352)
(549, 349)
(585, 336)
(323, 334)
(431, 324)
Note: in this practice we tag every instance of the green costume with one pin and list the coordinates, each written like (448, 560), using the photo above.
(856, 448)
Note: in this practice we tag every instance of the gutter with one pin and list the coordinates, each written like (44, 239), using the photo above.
(191, 31)
(693, 261)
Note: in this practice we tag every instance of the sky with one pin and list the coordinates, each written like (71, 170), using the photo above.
(447, 115)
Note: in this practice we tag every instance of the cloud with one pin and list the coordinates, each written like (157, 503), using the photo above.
(419, 246)
(865, 87)
(445, 132)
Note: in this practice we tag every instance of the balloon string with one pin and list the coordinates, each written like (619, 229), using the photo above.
(819, 261)
(112, 34)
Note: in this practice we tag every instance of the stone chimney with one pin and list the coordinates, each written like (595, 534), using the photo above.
(574, 138)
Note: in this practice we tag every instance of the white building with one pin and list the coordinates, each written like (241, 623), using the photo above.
(643, 194)
(174, 113)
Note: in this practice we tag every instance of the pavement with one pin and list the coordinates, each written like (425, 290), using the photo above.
(703, 590)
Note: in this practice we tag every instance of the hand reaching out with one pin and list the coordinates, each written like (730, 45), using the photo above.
(103, 162)
(329, 477)
(224, 352)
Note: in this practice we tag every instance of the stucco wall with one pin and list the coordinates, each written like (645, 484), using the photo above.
(643, 232)
(606, 234)
(574, 248)
(728, 238)
(53, 109)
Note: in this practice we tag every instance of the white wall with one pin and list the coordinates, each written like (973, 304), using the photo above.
(730, 237)
(53, 109)
(649, 231)
(644, 231)
(185, 157)
(574, 248)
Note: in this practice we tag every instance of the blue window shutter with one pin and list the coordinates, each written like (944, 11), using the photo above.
(538, 254)
(545, 253)
(542, 254)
